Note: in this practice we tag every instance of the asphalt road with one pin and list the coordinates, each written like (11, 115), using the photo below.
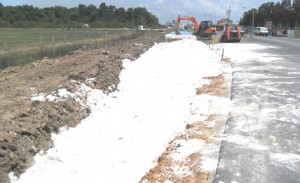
(262, 137)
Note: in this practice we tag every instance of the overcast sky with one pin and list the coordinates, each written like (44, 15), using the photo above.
(165, 10)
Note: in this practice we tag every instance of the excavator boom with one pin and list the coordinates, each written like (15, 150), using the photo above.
(204, 30)
(192, 19)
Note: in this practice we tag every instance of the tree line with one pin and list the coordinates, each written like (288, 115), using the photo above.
(107, 16)
(282, 14)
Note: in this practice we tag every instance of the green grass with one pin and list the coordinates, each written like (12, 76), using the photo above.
(22, 46)
(27, 38)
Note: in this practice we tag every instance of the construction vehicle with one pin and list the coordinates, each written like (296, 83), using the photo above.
(191, 19)
(205, 29)
(231, 33)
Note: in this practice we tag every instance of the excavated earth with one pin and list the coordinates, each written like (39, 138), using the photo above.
(26, 125)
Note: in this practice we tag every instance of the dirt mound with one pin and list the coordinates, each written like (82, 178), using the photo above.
(26, 125)
(30, 132)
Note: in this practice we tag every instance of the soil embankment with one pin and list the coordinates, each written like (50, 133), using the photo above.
(26, 125)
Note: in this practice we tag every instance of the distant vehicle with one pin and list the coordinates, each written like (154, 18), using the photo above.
(85, 26)
(261, 31)
(277, 32)
(242, 30)
(141, 27)
(249, 30)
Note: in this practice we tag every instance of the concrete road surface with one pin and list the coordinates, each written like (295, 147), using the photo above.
(262, 137)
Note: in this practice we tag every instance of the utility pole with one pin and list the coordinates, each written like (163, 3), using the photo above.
(228, 14)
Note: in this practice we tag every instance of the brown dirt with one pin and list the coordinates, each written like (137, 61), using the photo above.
(163, 170)
(26, 125)
(198, 130)
(214, 87)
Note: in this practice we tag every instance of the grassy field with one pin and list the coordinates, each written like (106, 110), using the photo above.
(26, 38)
(21, 46)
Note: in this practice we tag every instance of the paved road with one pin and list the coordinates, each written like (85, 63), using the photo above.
(262, 137)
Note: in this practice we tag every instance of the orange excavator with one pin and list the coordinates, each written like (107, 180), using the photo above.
(205, 29)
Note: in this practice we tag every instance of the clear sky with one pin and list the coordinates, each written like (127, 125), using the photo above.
(165, 10)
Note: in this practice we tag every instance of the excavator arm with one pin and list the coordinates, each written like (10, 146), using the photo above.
(205, 29)
(191, 19)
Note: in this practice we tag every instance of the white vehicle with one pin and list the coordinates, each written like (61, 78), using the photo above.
(85, 26)
(261, 31)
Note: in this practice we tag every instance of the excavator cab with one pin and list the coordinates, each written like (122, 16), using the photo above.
(204, 25)
(205, 29)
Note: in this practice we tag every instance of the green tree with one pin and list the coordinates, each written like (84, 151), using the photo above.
(246, 20)
(92, 12)
(121, 15)
(58, 16)
(83, 10)
(296, 12)
(102, 10)
(1, 9)
(281, 14)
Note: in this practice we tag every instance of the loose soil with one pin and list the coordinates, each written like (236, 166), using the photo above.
(200, 130)
(26, 125)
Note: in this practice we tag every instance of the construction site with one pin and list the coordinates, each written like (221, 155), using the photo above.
(199, 101)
